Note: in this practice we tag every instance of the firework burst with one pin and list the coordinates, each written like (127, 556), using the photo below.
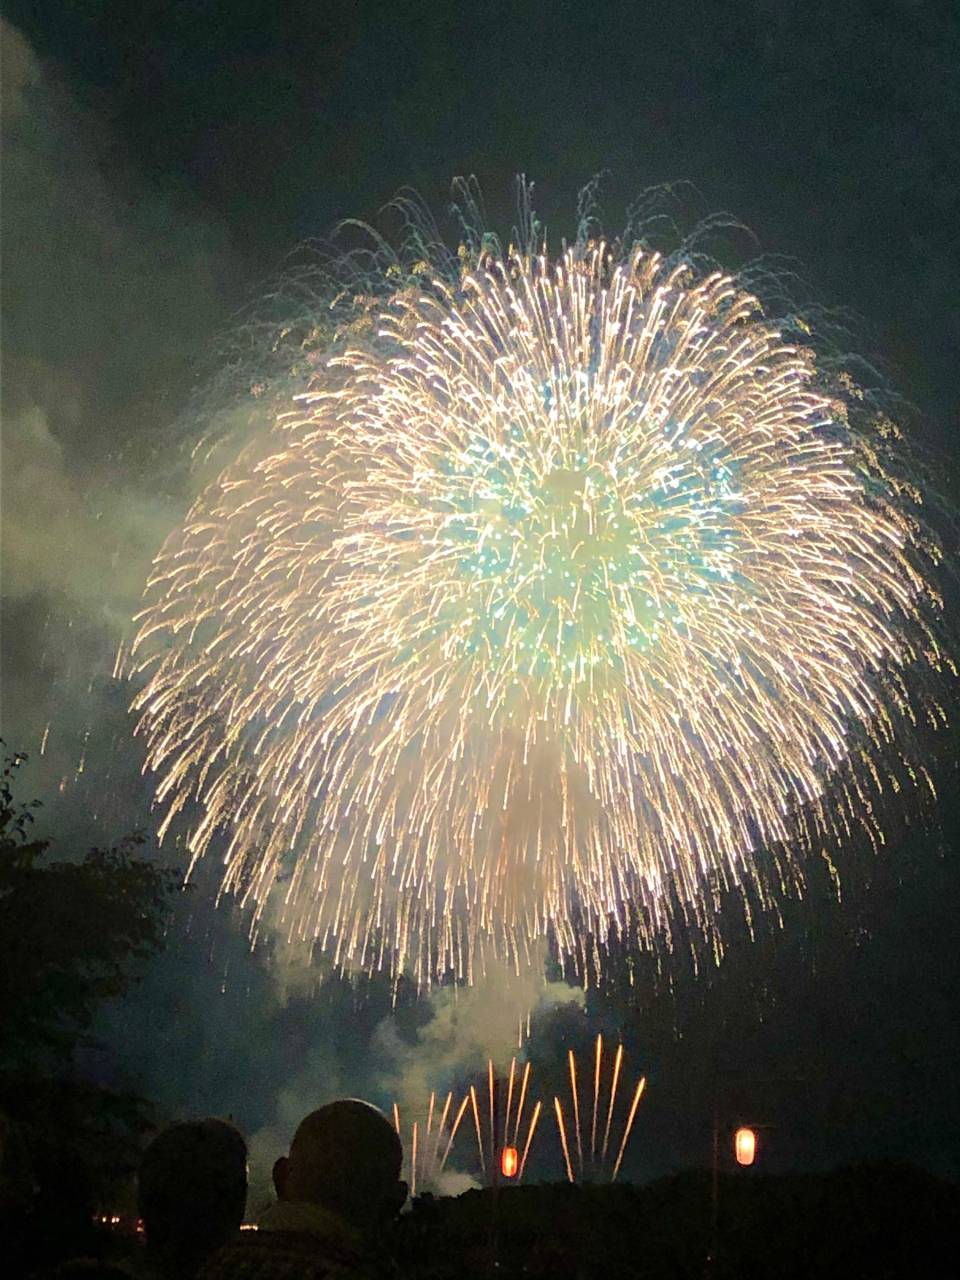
(564, 590)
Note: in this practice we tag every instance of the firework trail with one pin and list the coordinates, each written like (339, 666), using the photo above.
(453, 1132)
(617, 1064)
(566, 589)
(520, 1104)
(424, 1161)
(638, 1094)
(575, 1096)
(558, 1112)
(535, 1117)
(476, 1122)
(597, 1161)
(596, 1098)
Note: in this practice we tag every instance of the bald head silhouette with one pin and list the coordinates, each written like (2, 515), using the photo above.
(192, 1189)
(345, 1157)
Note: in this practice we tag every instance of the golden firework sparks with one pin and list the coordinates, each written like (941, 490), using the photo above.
(598, 1159)
(561, 593)
(575, 1097)
(504, 1118)
(628, 1127)
(476, 1122)
(617, 1063)
(453, 1133)
(596, 1099)
(423, 1161)
(530, 1132)
(558, 1111)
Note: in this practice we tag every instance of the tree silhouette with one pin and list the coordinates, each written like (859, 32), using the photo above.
(73, 933)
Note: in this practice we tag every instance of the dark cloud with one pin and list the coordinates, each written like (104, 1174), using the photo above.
(111, 287)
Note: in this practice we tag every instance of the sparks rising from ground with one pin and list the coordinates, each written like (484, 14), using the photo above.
(498, 1109)
(565, 591)
(427, 1144)
(595, 1164)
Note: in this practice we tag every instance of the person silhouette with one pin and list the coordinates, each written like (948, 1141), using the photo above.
(191, 1195)
(337, 1189)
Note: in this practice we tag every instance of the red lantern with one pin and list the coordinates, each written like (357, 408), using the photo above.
(745, 1146)
(508, 1162)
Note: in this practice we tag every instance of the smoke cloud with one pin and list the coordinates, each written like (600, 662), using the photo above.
(467, 1025)
(111, 289)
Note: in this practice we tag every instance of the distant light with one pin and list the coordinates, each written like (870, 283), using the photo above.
(508, 1162)
(745, 1146)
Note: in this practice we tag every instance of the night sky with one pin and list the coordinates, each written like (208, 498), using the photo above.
(161, 159)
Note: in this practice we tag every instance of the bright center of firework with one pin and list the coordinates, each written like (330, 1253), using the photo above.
(572, 560)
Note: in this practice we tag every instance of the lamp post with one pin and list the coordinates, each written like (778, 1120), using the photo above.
(745, 1148)
(745, 1153)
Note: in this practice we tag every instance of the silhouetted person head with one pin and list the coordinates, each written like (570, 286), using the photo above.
(346, 1158)
(192, 1191)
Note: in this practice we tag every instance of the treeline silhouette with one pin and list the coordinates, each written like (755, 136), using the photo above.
(868, 1221)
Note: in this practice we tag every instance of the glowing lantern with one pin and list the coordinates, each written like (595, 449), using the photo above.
(508, 1162)
(745, 1146)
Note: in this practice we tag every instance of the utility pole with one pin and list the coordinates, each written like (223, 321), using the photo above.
(495, 1170)
(711, 1266)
